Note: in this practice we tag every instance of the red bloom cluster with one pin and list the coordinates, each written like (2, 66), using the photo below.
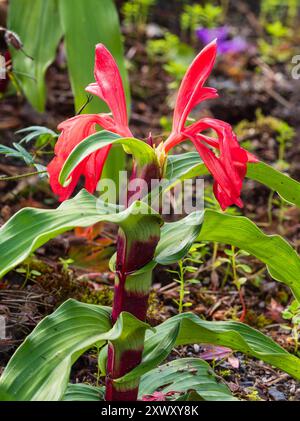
(228, 166)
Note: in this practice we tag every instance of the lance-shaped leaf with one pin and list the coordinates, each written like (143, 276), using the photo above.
(37, 23)
(189, 165)
(127, 345)
(30, 228)
(40, 368)
(86, 24)
(188, 328)
(83, 25)
(83, 392)
(285, 186)
(152, 356)
(177, 238)
(281, 259)
(4, 396)
(184, 375)
(184, 166)
(142, 152)
(234, 335)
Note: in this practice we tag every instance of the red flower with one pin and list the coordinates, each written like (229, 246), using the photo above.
(109, 88)
(229, 168)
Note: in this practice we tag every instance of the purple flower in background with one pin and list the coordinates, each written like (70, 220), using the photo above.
(206, 35)
(234, 45)
(225, 45)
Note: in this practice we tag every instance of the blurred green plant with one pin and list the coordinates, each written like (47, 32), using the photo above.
(282, 132)
(186, 266)
(252, 394)
(136, 12)
(284, 135)
(42, 137)
(292, 313)
(65, 264)
(277, 29)
(278, 10)
(174, 54)
(195, 15)
(238, 270)
(28, 271)
(278, 19)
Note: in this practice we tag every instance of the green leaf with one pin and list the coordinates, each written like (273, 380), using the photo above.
(152, 356)
(30, 228)
(37, 23)
(40, 368)
(177, 238)
(188, 165)
(183, 166)
(17, 152)
(128, 334)
(285, 186)
(281, 259)
(4, 396)
(83, 392)
(85, 24)
(142, 152)
(234, 335)
(182, 376)
(34, 132)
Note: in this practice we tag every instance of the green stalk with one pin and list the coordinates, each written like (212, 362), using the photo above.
(133, 276)
(131, 295)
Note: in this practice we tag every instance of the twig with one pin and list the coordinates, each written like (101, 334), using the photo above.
(89, 98)
(167, 287)
(279, 379)
(244, 308)
(17, 177)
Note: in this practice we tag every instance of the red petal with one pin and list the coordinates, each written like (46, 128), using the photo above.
(191, 90)
(54, 168)
(94, 167)
(214, 165)
(109, 86)
(204, 124)
(224, 199)
(229, 169)
(74, 131)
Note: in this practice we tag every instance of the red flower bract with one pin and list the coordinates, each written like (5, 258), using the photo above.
(109, 88)
(228, 166)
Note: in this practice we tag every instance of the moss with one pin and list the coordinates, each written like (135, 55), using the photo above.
(252, 394)
(155, 308)
(102, 296)
(257, 320)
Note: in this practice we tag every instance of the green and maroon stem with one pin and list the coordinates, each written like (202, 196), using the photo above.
(133, 276)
